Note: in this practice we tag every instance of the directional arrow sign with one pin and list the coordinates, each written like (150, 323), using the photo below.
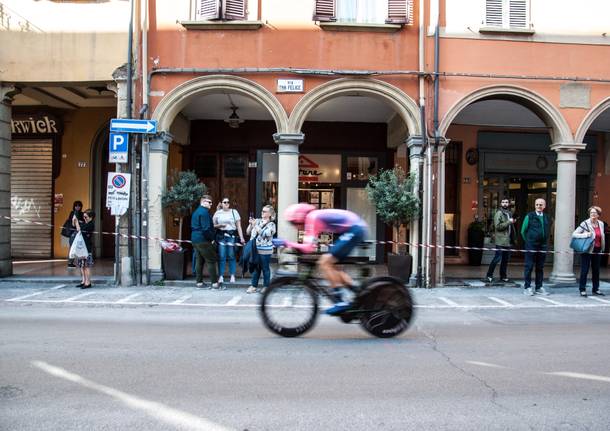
(133, 126)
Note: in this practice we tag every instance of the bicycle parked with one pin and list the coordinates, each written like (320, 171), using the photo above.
(289, 307)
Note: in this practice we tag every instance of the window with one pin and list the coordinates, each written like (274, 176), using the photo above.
(507, 14)
(226, 10)
(365, 11)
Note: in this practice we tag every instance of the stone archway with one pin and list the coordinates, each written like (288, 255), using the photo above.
(180, 96)
(590, 118)
(406, 107)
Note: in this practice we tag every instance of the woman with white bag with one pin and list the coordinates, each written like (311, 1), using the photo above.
(81, 247)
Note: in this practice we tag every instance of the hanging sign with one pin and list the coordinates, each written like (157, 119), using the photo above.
(117, 192)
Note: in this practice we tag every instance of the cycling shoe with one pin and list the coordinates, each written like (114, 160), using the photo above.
(338, 308)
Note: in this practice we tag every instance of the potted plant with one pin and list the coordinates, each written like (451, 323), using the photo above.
(396, 203)
(476, 238)
(180, 200)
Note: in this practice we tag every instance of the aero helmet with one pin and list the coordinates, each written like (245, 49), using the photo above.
(296, 213)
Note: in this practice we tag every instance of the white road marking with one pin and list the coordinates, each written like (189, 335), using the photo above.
(19, 298)
(182, 299)
(234, 301)
(127, 298)
(605, 301)
(500, 301)
(448, 301)
(174, 417)
(550, 301)
(581, 376)
(74, 298)
(486, 364)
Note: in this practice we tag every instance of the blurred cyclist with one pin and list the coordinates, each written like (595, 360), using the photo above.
(350, 226)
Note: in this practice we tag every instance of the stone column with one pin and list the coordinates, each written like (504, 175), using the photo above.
(565, 209)
(414, 144)
(440, 219)
(157, 185)
(6, 94)
(288, 178)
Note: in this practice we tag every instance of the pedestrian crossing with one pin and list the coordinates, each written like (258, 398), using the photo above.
(441, 299)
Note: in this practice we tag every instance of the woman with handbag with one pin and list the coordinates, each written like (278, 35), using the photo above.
(228, 227)
(86, 229)
(262, 230)
(592, 228)
(68, 230)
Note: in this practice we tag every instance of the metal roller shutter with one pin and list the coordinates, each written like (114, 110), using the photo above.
(31, 198)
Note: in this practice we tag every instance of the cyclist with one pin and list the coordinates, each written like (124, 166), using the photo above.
(352, 229)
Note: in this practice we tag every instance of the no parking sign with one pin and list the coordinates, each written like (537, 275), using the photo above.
(117, 192)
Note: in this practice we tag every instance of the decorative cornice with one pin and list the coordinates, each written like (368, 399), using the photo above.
(8, 92)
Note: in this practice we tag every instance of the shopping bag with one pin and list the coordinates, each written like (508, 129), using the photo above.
(79, 248)
(581, 245)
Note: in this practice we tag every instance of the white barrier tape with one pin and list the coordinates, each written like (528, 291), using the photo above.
(431, 246)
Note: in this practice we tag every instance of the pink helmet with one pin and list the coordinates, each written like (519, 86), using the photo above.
(296, 213)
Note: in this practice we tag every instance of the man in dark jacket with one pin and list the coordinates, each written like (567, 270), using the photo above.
(202, 236)
(535, 231)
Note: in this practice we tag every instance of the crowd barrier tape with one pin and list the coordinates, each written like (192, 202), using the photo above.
(237, 244)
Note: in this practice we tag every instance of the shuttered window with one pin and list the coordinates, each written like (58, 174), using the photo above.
(230, 10)
(364, 11)
(507, 14)
(31, 200)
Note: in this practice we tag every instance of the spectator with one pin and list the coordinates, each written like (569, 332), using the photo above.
(505, 235)
(263, 230)
(535, 231)
(592, 227)
(77, 210)
(202, 236)
(86, 228)
(228, 227)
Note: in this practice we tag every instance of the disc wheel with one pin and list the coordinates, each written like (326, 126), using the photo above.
(388, 309)
(289, 307)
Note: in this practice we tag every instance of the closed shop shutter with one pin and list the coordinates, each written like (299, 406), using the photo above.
(31, 198)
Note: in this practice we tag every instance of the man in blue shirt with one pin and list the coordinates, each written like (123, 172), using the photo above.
(202, 236)
(535, 232)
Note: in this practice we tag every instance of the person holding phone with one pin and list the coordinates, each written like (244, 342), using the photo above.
(227, 223)
(263, 230)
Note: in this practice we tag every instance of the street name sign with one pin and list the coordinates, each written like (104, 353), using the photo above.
(125, 125)
(119, 147)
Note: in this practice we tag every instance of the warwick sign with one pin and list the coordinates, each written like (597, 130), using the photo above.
(37, 124)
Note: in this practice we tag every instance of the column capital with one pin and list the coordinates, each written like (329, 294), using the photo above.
(414, 144)
(568, 147)
(289, 138)
(160, 142)
(8, 92)
(120, 73)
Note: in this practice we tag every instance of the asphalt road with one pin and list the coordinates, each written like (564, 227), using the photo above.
(165, 359)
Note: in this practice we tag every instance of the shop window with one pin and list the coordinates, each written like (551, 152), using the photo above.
(364, 11)
(507, 14)
(361, 168)
(226, 10)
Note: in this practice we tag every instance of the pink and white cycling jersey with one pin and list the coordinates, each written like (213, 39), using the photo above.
(327, 220)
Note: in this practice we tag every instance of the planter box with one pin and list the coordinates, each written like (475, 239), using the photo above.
(399, 266)
(174, 265)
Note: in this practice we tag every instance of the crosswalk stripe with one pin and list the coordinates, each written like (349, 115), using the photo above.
(501, 301)
(74, 298)
(127, 298)
(605, 301)
(235, 300)
(182, 299)
(448, 301)
(550, 301)
(19, 298)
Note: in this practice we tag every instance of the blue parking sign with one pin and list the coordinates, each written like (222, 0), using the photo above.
(119, 147)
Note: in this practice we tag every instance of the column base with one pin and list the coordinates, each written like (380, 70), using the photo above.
(155, 275)
(412, 280)
(6, 268)
(563, 278)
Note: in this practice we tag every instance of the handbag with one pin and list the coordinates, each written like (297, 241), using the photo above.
(79, 248)
(582, 245)
(66, 229)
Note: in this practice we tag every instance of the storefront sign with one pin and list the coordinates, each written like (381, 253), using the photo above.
(320, 168)
(117, 193)
(36, 124)
(290, 86)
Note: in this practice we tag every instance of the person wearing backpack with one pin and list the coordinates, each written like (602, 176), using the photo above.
(592, 227)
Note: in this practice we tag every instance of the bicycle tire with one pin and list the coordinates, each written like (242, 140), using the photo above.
(389, 307)
(267, 308)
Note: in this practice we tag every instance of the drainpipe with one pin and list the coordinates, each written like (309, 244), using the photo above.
(424, 135)
(145, 148)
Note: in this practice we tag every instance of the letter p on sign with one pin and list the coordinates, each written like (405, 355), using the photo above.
(119, 145)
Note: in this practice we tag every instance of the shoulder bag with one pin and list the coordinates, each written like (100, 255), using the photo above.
(582, 245)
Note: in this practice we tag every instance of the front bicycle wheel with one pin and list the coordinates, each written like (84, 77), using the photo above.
(289, 307)
(388, 308)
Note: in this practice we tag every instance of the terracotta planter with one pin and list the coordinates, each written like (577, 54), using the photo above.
(399, 266)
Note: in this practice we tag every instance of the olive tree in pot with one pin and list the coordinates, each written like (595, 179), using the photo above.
(396, 203)
(476, 239)
(180, 200)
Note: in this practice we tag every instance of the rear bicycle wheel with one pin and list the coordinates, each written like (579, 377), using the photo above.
(289, 307)
(388, 308)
